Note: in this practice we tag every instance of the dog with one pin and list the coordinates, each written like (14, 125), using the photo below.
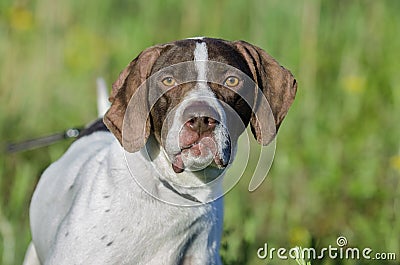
(143, 185)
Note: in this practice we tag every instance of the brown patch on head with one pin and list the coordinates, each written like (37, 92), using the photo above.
(277, 84)
(162, 111)
(123, 89)
(239, 99)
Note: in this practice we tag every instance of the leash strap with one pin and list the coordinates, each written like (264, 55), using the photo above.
(102, 107)
(43, 141)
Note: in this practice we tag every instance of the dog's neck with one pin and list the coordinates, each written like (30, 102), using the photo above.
(195, 187)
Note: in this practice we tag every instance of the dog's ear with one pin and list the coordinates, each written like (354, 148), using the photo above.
(277, 85)
(137, 122)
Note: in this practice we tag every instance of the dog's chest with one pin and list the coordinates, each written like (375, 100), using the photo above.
(149, 234)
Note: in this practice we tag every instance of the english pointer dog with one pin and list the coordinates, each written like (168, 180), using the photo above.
(142, 186)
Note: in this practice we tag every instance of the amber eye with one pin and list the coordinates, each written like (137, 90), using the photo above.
(169, 81)
(231, 81)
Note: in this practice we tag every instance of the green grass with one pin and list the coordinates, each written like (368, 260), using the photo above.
(337, 164)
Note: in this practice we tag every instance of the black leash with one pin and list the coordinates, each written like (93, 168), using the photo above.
(96, 125)
(43, 141)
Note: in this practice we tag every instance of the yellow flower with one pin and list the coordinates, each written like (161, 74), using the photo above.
(395, 162)
(21, 18)
(299, 236)
(354, 84)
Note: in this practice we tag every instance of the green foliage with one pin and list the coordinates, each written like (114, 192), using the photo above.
(337, 165)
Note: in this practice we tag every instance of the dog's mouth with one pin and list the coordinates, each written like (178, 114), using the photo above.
(201, 150)
(197, 156)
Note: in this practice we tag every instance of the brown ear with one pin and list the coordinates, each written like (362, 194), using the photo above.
(277, 85)
(136, 125)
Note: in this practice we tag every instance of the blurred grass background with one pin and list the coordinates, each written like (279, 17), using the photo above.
(337, 165)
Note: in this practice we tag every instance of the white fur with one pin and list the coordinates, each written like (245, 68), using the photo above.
(201, 57)
(196, 38)
(88, 209)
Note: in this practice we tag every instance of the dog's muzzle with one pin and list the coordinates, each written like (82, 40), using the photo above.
(203, 140)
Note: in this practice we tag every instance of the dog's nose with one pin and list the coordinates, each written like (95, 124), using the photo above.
(201, 124)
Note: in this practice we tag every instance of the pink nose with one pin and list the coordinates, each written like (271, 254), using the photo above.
(201, 124)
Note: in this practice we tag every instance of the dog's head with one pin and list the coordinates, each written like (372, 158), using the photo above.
(196, 96)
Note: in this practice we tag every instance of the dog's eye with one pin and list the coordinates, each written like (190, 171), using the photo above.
(231, 81)
(169, 81)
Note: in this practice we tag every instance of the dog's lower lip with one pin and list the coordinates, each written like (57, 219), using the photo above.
(178, 165)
